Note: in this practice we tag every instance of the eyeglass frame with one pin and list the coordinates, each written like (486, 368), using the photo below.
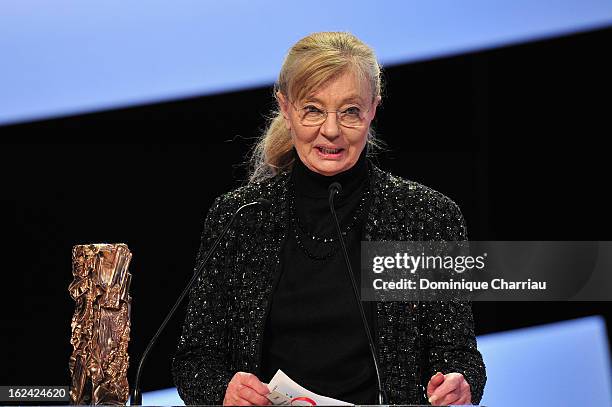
(338, 112)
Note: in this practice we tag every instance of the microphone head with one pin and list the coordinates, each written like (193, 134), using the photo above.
(335, 186)
(264, 203)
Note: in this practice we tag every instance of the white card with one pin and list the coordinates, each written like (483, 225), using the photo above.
(286, 392)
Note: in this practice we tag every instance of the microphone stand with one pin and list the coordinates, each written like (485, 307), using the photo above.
(136, 396)
(336, 188)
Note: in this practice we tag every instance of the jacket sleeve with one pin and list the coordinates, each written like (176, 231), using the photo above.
(202, 365)
(448, 328)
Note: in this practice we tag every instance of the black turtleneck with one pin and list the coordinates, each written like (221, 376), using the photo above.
(314, 331)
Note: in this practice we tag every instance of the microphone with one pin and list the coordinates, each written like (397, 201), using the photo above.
(136, 396)
(264, 203)
(334, 189)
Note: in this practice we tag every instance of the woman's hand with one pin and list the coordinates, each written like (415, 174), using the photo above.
(245, 389)
(446, 389)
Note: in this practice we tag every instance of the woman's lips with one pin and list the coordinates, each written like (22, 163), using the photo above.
(329, 153)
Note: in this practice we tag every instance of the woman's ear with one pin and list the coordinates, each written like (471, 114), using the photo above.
(283, 105)
(375, 104)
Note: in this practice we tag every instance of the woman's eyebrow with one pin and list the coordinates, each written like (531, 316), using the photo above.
(348, 99)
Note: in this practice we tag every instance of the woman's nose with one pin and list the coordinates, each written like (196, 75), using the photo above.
(331, 127)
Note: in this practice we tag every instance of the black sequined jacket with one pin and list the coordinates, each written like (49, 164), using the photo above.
(227, 311)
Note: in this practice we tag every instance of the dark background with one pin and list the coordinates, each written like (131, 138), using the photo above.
(517, 136)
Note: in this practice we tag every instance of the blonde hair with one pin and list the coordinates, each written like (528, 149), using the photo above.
(309, 64)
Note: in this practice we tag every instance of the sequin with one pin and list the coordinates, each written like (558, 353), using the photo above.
(225, 318)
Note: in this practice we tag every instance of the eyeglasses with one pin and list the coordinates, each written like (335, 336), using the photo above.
(310, 115)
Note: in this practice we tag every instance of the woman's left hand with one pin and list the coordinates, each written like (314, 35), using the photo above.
(447, 389)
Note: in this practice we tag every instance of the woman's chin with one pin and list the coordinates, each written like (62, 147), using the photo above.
(330, 168)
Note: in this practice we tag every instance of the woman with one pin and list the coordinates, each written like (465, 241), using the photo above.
(277, 296)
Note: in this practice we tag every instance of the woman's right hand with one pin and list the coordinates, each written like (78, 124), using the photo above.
(245, 389)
